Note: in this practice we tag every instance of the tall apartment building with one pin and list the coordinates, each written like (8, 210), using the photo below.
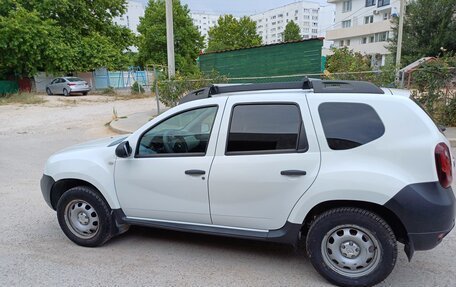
(130, 19)
(204, 21)
(364, 26)
(311, 17)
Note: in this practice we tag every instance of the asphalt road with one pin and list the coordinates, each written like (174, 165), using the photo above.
(35, 252)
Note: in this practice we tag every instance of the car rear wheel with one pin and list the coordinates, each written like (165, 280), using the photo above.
(351, 247)
(48, 91)
(85, 217)
(85, 93)
(65, 92)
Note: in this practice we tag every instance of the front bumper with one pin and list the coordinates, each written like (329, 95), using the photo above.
(46, 184)
(427, 211)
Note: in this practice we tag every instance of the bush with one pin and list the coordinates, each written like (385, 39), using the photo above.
(171, 91)
(435, 91)
(108, 91)
(136, 88)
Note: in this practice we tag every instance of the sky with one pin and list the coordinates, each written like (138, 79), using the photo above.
(236, 7)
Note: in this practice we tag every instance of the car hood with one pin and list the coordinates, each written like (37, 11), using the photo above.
(103, 142)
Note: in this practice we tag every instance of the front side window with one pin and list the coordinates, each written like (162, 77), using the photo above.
(186, 133)
(349, 125)
(266, 128)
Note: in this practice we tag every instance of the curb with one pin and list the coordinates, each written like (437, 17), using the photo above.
(118, 130)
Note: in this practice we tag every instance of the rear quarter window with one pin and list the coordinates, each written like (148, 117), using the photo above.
(349, 125)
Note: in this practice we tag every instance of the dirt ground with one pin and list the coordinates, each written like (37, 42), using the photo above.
(35, 252)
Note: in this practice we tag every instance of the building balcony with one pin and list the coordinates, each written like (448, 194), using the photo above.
(359, 30)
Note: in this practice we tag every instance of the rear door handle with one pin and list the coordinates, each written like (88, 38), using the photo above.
(195, 172)
(293, 172)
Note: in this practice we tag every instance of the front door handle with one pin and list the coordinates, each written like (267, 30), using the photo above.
(293, 172)
(195, 172)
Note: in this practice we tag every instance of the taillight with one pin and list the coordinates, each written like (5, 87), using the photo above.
(71, 84)
(443, 164)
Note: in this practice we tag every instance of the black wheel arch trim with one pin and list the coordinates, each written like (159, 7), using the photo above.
(427, 211)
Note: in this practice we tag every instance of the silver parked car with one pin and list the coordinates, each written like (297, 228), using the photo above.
(67, 85)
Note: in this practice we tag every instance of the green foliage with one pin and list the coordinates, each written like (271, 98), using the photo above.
(188, 42)
(171, 91)
(345, 64)
(136, 88)
(292, 32)
(233, 34)
(60, 36)
(429, 25)
(435, 90)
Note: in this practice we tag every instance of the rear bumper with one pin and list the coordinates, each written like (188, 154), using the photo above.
(427, 212)
(79, 89)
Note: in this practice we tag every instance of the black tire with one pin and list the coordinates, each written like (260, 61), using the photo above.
(71, 213)
(334, 230)
(65, 93)
(48, 91)
(85, 93)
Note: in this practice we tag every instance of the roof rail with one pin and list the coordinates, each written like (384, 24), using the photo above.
(318, 86)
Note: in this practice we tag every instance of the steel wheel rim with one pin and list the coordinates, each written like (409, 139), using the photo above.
(82, 219)
(351, 250)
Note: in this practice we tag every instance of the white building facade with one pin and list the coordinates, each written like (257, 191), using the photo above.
(204, 21)
(364, 26)
(311, 17)
(131, 18)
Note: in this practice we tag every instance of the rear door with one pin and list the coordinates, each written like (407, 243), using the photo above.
(267, 157)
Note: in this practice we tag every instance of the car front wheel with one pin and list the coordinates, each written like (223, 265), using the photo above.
(84, 217)
(351, 247)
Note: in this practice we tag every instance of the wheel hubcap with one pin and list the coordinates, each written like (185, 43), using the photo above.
(351, 250)
(82, 219)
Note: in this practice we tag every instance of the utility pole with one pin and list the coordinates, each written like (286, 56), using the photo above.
(170, 38)
(399, 35)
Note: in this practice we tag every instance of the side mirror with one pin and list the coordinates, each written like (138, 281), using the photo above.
(123, 149)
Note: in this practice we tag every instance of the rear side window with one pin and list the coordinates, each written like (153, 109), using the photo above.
(266, 128)
(350, 125)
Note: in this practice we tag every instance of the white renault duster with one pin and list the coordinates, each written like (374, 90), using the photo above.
(345, 166)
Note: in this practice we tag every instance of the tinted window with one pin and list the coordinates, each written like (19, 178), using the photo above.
(349, 125)
(184, 133)
(266, 128)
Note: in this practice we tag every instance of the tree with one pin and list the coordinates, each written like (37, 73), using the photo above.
(188, 42)
(60, 36)
(229, 33)
(292, 32)
(429, 25)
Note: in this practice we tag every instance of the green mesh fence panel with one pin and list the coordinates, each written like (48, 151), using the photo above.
(266, 63)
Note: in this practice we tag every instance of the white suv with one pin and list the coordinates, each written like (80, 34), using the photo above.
(344, 166)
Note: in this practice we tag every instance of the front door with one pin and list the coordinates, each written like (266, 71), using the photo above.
(167, 177)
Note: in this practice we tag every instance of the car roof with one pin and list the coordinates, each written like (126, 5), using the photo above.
(311, 85)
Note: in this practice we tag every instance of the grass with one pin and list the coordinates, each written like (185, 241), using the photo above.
(22, 98)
